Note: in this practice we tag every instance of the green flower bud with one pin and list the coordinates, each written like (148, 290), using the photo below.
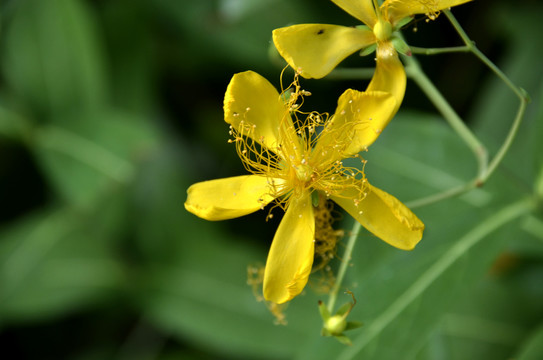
(336, 324)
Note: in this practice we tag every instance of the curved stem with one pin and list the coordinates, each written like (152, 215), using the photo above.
(415, 72)
(344, 264)
(473, 48)
(497, 159)
(442, 195)
(486, 167)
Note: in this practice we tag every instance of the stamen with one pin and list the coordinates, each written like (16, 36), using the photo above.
(255, 278)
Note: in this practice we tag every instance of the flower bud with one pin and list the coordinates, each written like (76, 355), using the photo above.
(336, 324)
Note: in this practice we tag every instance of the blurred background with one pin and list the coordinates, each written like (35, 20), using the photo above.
(110, 109)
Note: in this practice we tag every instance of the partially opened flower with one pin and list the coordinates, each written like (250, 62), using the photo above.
(295, 161)
(314, 50)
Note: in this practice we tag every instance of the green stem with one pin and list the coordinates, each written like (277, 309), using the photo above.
(486, 167)
(473, 48)
(435, 51)
(497, 159)
(521, 94)
(434, 272)
(442, 195)
(414, 71)
(343, 267)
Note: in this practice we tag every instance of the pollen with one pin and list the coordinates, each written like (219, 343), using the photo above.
(255, 278)
(291, 158)
(432, 7)
(326, 240)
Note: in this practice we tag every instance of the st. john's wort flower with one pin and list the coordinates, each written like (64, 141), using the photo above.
(314, 50)
(294, 161)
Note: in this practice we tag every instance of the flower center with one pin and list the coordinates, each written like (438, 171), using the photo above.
(303, 172)
(382, 30)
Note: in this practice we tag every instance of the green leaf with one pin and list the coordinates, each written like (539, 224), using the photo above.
(13, 126)
(132, 48)
(533, 348)
(85, 159)
(495, 319)
(52, 57)
(58, 260)
(343, 339)
(242, 36)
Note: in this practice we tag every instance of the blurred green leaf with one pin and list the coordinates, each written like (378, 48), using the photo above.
(52, 56)
(86, 157)
(234, 31)
(132, 51)
(495, 319)
(58, 260)
(13, 126)
(533, 348)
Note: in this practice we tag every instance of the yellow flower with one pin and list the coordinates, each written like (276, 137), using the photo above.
(314, 50)
(293, 161)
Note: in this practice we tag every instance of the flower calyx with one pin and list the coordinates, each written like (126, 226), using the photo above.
(335, 325)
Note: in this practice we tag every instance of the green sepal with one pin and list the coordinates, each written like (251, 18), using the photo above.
(325, 332)
(401, 46)
(368, 50)
(363, 27)
(325, 314)
(344, 309)
(343, 339)
(353, 325)
(400, 24)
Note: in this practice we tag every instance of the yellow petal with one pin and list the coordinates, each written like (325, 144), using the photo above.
(384, 216)
(389, 73)
(396, 10)
(252, 99)
(315, 49)
(361, 9)
(359, 119)
(291, 253)
(229, 197)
